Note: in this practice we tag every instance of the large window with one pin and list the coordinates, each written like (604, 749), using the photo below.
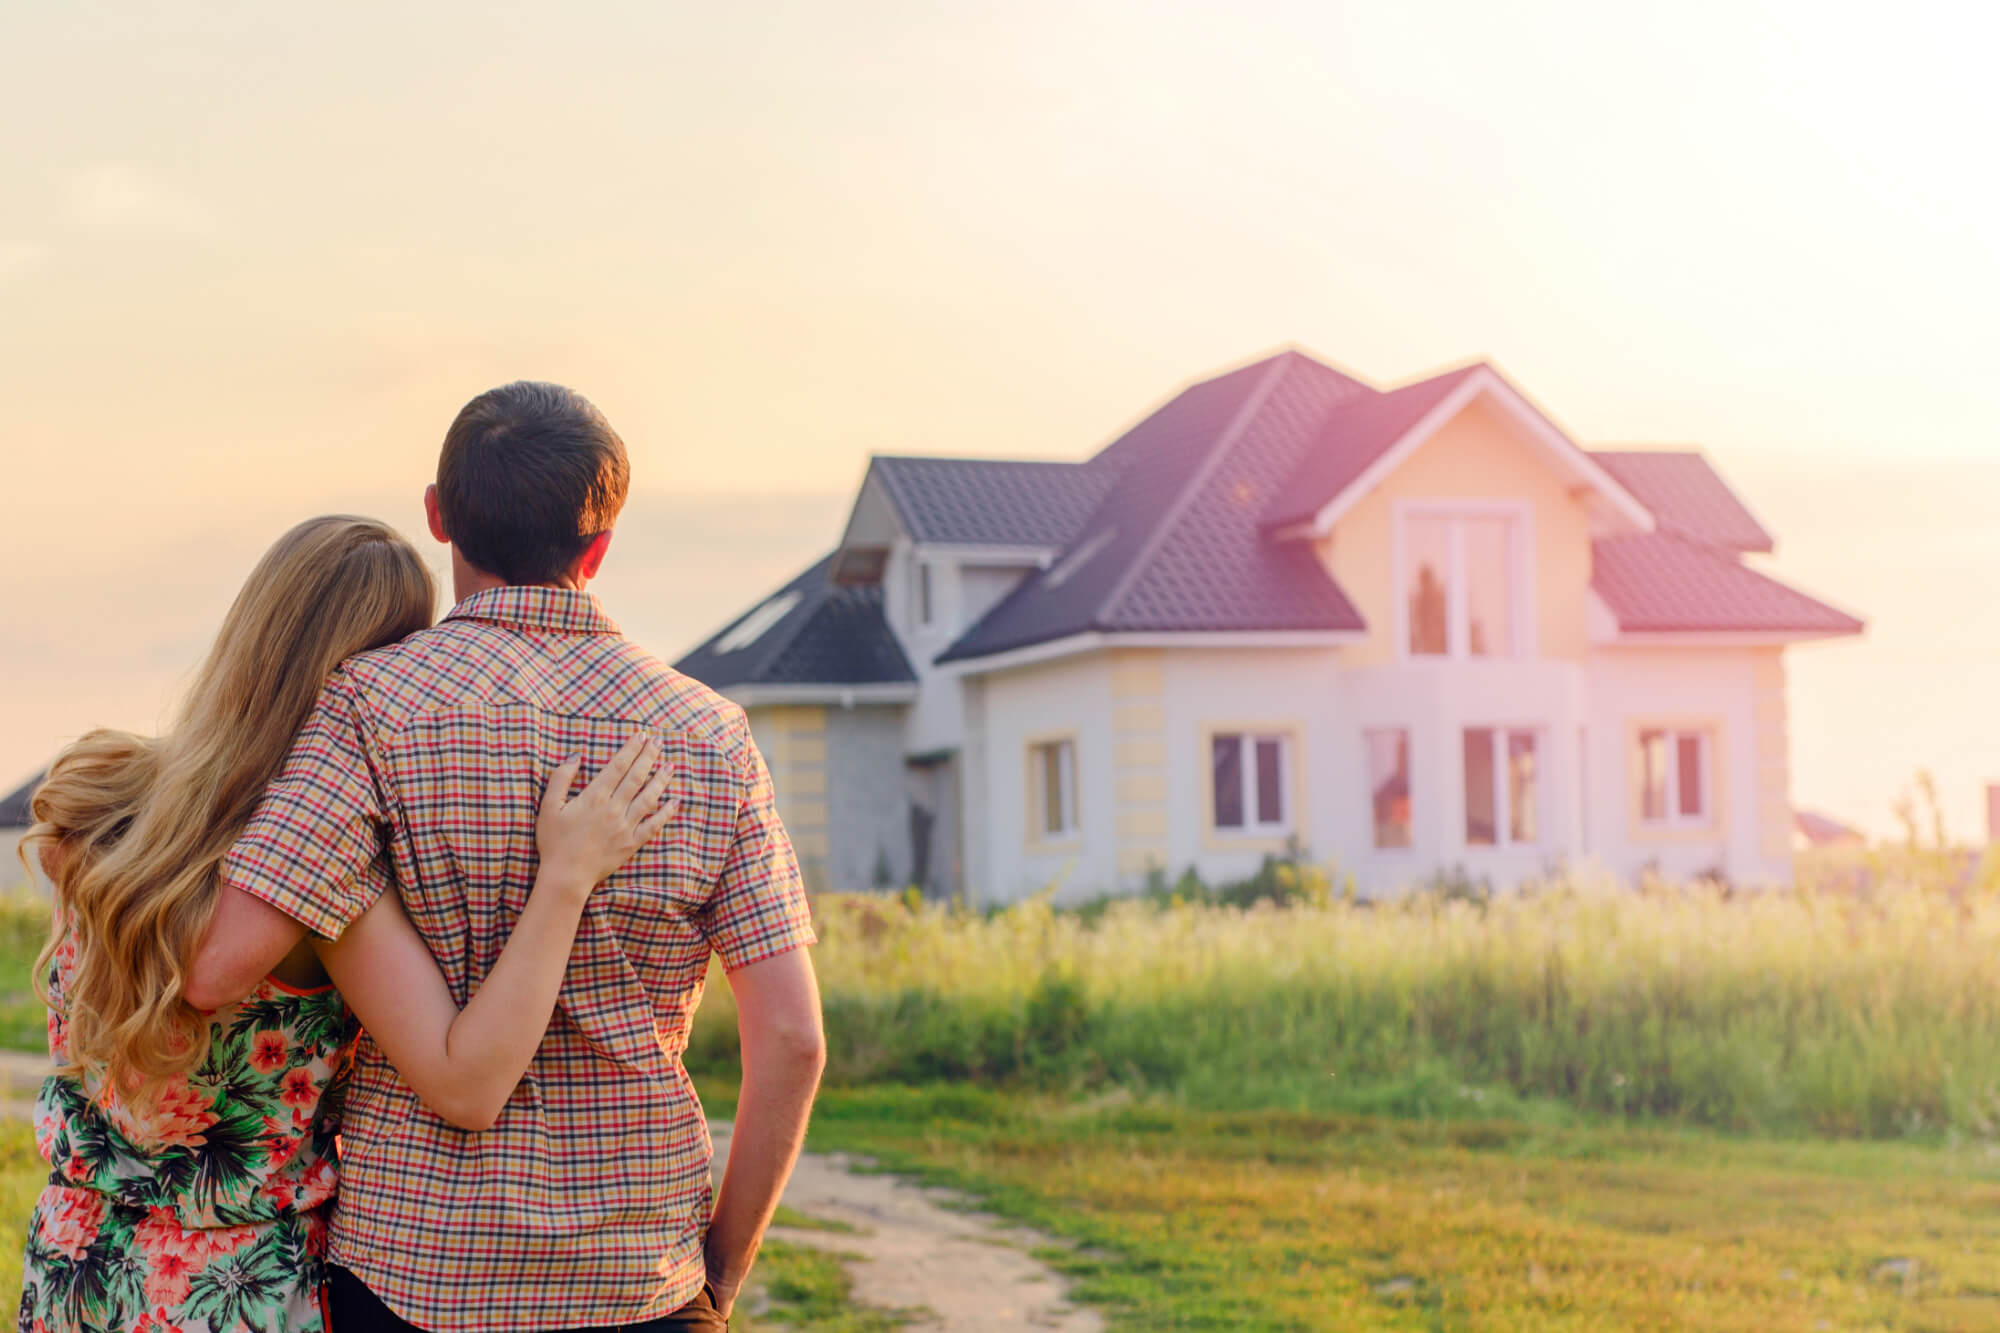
(1249, 782)
(1674, 779)
(1052, 777)
(1503, 787)
(1389, 786)
(1460, 581)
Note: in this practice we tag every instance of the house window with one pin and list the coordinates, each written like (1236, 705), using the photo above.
(923, 592)
(1460, 584)
(1674, 782)
(1052, 773)
(1389, 786)
(1249, 774)
(1503, 787)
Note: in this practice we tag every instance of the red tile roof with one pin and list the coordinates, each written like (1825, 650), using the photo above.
(1664, 583)
(1687, 496)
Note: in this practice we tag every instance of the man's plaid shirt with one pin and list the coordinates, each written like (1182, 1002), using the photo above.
(421, 769)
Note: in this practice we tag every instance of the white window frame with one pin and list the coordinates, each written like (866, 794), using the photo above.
(1038, 793)
(1246, 767)
(1520, 578)
(1675, 817)
(1503, 789)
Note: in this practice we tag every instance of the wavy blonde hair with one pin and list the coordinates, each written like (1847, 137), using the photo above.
(133, 829)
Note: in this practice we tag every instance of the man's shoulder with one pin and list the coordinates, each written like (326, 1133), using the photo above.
(458, 662)
(681, 703)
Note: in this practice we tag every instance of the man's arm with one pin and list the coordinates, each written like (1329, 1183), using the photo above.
(302, 864)
(784, 1052)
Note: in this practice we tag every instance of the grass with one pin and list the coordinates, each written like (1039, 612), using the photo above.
(1807, 1012)
(1288, 1221)
(24, 925)
(1535, 1112)
(807, 1291)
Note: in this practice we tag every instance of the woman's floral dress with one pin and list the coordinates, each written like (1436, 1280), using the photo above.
(202, 1212)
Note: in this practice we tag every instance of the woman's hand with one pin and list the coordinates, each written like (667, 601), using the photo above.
(583, 839)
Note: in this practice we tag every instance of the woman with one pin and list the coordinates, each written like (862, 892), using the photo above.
(192, 1155)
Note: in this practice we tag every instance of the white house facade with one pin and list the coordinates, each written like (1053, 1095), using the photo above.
(1409, 632)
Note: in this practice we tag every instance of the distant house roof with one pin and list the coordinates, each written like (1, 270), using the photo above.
(14, 808)
(1822, 831)
(1687, 496)
(992, 502)
(1664, 583)
(1175, 545)
(809, 632)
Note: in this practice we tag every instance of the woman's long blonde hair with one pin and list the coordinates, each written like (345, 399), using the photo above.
(133, 829)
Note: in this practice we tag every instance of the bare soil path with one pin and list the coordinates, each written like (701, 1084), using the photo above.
(912, 1249)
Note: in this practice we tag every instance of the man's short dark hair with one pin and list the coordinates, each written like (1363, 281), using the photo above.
(529, 474)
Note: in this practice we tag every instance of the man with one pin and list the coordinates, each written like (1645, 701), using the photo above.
(588, 1204)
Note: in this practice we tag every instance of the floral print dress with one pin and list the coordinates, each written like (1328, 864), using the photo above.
(203, 1211)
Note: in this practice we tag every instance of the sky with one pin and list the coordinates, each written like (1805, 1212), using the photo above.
(252, 259)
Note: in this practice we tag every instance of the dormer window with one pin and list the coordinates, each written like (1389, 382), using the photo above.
(922, 592)
(1461, 583)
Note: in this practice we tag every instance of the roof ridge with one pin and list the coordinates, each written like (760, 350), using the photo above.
(1172, 514)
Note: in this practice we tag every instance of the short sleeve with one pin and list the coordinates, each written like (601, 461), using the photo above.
(759, 907)
(314, 849)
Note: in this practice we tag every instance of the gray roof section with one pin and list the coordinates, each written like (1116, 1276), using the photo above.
(833, 635)
(1174, 545)
(14, 809)
(991, 502)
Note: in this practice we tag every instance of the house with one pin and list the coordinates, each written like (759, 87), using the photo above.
(1407, 630)
(15, 820)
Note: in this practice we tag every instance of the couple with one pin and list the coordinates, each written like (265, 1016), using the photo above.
(356, 892)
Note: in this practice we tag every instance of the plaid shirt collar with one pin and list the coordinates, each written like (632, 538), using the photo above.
(558, 610)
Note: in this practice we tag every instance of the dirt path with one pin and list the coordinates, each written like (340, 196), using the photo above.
(21, 1078)
(973, 1273)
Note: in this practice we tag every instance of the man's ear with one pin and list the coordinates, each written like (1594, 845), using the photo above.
(592, 558)
(431, 514)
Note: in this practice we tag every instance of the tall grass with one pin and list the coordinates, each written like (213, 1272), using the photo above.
(1804, 1011)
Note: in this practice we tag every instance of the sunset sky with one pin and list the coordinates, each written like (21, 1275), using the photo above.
(251, 262)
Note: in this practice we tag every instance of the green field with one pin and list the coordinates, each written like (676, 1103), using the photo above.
(1579, 1108)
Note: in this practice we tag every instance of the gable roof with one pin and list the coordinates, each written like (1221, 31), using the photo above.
(991, 502)
(1174, 545)
(1356, 433)
(1665, 583)
(1181, 524)
(14, 812)
(828, 635)
(1688, 496)
(1365, 439)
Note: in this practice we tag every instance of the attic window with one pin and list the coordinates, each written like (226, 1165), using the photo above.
(758, 623)
(1077, 559)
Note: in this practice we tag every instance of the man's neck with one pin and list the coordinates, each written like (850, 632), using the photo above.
(468, 579)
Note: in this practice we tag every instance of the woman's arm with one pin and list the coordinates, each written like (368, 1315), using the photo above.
(465, 1065)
